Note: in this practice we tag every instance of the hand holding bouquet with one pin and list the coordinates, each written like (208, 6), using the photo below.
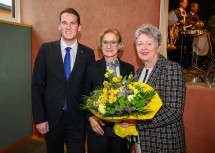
(122, 99)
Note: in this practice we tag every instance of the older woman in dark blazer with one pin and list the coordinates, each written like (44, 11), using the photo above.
(165, 132)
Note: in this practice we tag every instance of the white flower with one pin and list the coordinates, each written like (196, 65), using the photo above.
(110, 71)
(130, 76)
(106, 75)
(136, 91)
(130, 97)
(101, 108)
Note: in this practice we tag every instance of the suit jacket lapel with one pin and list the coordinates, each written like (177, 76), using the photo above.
(78, 60)
(138, 73)
(122, 68)
(152, 78)
(59, 61)
(103, 66)
(155, 72)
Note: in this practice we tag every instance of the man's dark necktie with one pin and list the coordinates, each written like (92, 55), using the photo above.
(146, 73)
(113, 65)
(67, 68)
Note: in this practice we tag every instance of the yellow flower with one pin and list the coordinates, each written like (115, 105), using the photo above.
(101, 108)
(105, 83)
(112, 99)
(119, 77)
(105, 91)
(115, 79)
(102, 99)
(113, 92)
(131, 87)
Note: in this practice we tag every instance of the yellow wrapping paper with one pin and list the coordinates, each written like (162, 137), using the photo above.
(153, 106)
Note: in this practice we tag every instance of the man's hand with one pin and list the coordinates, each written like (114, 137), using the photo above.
(43, 127)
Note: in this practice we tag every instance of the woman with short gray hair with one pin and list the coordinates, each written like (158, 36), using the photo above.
(165, 132)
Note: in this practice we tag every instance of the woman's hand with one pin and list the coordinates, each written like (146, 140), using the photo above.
(127, 123)
(96, 123)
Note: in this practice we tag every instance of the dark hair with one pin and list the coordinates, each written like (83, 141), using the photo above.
(71, 11)
(193, 4)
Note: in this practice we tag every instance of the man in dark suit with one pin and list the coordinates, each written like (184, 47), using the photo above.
(57, 91)
(100, 135)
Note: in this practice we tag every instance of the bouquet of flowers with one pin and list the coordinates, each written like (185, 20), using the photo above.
(122, 99)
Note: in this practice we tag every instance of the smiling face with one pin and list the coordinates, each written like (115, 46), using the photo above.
(147, 50)
(110, 46)
(69, 28)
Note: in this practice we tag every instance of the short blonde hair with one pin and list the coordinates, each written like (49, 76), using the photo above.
(110, 30)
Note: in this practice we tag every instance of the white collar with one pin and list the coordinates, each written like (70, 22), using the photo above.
(64, 45)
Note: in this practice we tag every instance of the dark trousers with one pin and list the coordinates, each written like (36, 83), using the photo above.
(63, 132)
(106, 144)
(188, 54)
(184, 50)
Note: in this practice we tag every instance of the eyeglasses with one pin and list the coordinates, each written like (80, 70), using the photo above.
(106, 43)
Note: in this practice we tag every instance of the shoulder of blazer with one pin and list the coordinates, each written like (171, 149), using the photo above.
(84, 48)
(161, 64)
(178, 12)
(52, 43)
(128, 66)
(49, 46)
(98, 63)
(164, 65)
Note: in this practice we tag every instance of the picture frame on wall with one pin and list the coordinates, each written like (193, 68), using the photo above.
(10, 10)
